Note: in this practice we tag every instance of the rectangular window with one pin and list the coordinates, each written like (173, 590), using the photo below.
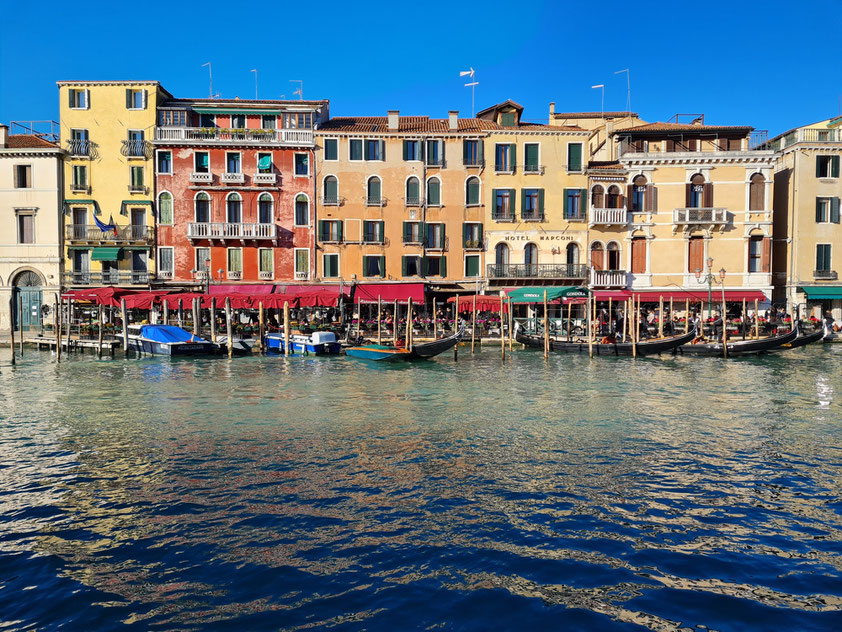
(374, 149)
(134, 143)
(755, 254)
(472, 153)
(823, 258)
(172, 118)
(827, 166)
(235, 260)
(532, 204)
(137, 178)
(355, 149)
(135, 99)
(472, 266)
(264, 163)
(331, 149)
(268, 121)
(472, 235)
(232, 162)
(330, 230)
(78, 99)
(165, 208)
(822, 210)
(80, 177)
(638, 252)
(373, 232)
(23, 176)
(435, 236)
(435, 266)
(238, 121)
(573, 207)
(302, 165)
(79, 142)
(411, 265)
(531, 151)
(203, 259)
(164, 162)
(412, 232)
(574, 156)
(374, 266)
(202, 162)
(695, 254)
(266, 260)
(507, 119)
(26, 228)
(302, 263)
(503, 158)
(331, 266)
(165, 261)
(504, 204)
(207, 121)
(410, 150)
(434, 154)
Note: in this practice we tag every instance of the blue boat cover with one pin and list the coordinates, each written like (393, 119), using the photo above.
(168, 333)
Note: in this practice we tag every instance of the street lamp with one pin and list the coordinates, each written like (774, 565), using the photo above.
(710, 279)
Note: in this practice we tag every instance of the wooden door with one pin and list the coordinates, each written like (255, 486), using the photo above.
(638, 254)
(696, 258)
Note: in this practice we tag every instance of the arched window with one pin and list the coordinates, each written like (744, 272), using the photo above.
(372, 191)
(234, 209)
(597, 258)
(696, 192)
(331, 190)
(501, 256)
(165, 208)
(202, 203)
(530, 258)
(264, 209)
(613, 251)
(757, 193)
(598, 197)
(573, 254)
(472, 191)
(413, 192)
(612, 199)
(433, 192)
(638, 198)
(302, 210)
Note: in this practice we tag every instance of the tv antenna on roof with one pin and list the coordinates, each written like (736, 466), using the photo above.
(473, 84)
(601, 85)
(254, 70)
(300, 91)
(628, 84)
(210, 77)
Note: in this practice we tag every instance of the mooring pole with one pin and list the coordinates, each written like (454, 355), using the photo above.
(287, 350)
(229, 329)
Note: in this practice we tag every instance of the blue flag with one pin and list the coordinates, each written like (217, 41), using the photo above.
(106, 227)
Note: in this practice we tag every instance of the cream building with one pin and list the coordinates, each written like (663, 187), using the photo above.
(808, 233)
(31, 191)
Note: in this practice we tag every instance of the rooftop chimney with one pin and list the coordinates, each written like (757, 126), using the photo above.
(453, 120)
(552, 109)
(394, 118)
(4, 135)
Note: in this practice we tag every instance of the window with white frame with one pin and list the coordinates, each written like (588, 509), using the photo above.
(330, 265)
(79, 177)
(201, 162)
(302, 210)
(165, 215)
(266, 261)
(233, 162)
(23, 176)
(164, 162)
(302, 165)
(331, 149)
(165, 261)
(203, 260)
(79, 99)
(26, 226)
(135, 99)
(302, 263)
(235, 261)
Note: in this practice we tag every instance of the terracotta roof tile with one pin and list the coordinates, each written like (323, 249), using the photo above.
(678, 127)
(564, 115)
(606, 164)
(28, 141)
(424, 124)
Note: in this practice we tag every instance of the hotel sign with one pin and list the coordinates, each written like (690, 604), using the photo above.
(535, 236)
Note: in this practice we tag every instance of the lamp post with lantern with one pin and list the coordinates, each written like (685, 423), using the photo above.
(710, 279)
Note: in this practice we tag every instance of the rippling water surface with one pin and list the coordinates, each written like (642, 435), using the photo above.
(263, 493)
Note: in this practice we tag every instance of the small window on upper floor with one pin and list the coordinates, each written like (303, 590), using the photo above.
(207, 120)
(268, 121)
(302, 165)
(23, 176)
(26, 228)
(827, 166)
(164, 162)
(507, 119)
(238, 121)
(410, 150)
(355, 149)
(79, 99)
(375, 149)
(331, 149)
(135, 99)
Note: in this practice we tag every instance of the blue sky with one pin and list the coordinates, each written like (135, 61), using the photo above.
(773, 65)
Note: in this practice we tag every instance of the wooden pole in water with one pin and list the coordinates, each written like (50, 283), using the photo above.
(455, 329)
(69, 321)
(569, 318)
(724, 324)
(546, 328)
(743, 319)
(610, 313)
(672, 322)
(261, 325)
(436, 321)
(502, 329)
(20, 325)
(166, 313)
(229, 329)
(511, 326)
(180, 313)
(409, 323)
(58, 329)
(590, 329)
(756, 320)
(125, 318)
(379, 317)
(634, 327)
(12, 328)
(661, 317)
(197, 320)
(395, 324)
(99, 332)
(702, 318)
(686, 315)
(287, 349)
(474, 324)
(212, 318)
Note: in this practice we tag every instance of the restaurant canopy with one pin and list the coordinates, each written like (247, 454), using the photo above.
(389, 292)
(536, 294)
(822, 292)
(696, 296)
(109, 295)
(485, 303)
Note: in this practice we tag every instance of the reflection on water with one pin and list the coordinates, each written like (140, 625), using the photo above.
(268, 493)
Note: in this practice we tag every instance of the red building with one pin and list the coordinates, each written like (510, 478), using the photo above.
(235, 191)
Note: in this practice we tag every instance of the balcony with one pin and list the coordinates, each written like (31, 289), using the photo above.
(826, 275)
(107, 278)
(264, 178)
(413, 201)
(332, 200)
(200, 177)
(473, 244)
(264, 275)
(82, 233)
(474, 162)
(537, 271)
(300, 276)
(138, 188)
(80, 188)
(78, 147)
(222, 136)
(502, 216)
(700, 216)
(136, 149)
(808, 135)
(431, 161)
(226, 230)
(532, 216)
(534, 169)
(608, 278)
(439, 243)
(374, 201)
(235, 275)
(609, 217)
(233, 178)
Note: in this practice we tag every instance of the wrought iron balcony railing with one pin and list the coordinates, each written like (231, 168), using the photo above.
(537, 271)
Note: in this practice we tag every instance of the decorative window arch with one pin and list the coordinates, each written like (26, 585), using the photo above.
(433, 191)
(613, 252)
(202, 207)
(501, 254)
(598, 196)
(413, 191)
(530, 258)
(572, 254)
(330, 190)
(165, 210)
(265, 209)
(472, 191)
(234, 208)
(373, 190)
(302, 209)
(697, 191)
(757, 193)
(597, 255)
(638, 193)
(613, 198)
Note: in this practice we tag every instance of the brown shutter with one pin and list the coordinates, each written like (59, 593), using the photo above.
(629, 196)
(766, 254)
(688, 193)
(670, 145)
(596, 259)
(708, 195)
(638, 255)
(696, 254)
(650, 193)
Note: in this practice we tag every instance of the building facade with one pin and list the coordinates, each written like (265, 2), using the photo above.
(808, 233)
(31, 193)
(234, 190)
(106, 130)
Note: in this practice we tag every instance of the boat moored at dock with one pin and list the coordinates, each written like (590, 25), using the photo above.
(317, 343)
(167, 340)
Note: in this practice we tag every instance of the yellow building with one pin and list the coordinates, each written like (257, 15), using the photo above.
(106, 129)
(535, 186)
(808, 234)
(401, 199)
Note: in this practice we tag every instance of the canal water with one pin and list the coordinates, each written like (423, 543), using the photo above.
(576, 494)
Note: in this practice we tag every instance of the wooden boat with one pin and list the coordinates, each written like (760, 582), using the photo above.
(239, 346)
(644, 347)
(804, 339)
(391, 353)
(167, 340)
(317, 343)
(741, 347)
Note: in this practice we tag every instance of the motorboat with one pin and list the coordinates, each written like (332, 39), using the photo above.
(167, 340)
(316, 343)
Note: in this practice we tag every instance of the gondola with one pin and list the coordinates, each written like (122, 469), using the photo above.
(804, 339)
(741, 347)
(390, 353)
(645, 347)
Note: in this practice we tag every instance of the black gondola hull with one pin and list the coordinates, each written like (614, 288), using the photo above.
(647, 347)
(741, 347)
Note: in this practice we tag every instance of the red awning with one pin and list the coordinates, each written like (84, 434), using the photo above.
(389, 292)
(143, 300)
(101, 295)
(171, 300)
(696, 296)
(485, 303)
(241, 289)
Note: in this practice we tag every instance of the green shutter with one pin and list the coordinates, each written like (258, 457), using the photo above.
(574, 157)
(819, 173)
(834, 210)
(512, 201)
(464, 152)
(128, 98)
(322, 230)
(541, 202)
(472, 266)
(382, 266)
(407, 232)
(405, 145)
(583, 203)
(566, 203)
(382, 150)
(513, 155)
(443, 146)
(443, 234)
(381, 229)
(523, 200)
(834, 166)
(465, 234)
(443, 266)
(480, 151)
(403, 265)
(818, 210)
(341, 225)
(530, 157)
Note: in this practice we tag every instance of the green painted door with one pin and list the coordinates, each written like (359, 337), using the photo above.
(27, 297)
